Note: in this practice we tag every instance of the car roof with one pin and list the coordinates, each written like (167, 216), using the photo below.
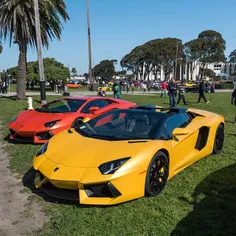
(85, 98)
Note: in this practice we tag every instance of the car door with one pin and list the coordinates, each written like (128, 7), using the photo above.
(183, 146)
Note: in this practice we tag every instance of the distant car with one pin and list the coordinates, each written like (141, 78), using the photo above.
(126, 154)
(194, 88)
(105, 88)
(42, 123)
(74, 85)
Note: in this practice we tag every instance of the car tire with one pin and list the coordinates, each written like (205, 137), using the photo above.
(219, 139)
(157, 174)
(78, 121)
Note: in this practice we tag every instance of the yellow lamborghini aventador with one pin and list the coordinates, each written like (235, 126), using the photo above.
(126, 154)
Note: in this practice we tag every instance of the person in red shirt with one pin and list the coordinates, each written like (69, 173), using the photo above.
(163, 89)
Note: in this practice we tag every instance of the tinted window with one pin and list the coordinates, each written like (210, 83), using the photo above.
(95, 103)
(123, 125)
(61, 106)
(179, 120)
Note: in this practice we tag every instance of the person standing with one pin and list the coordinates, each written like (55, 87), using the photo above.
(132, 87)
(116, 91)
(101, 93)
(233, 102)
(172, 88)
(163, 88)
(201, 90)
(181, 94)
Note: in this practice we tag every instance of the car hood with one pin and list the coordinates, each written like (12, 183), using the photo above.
(74, 150)
(32, 118)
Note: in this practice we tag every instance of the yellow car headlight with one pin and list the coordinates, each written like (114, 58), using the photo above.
(42, 150)
(111, 167)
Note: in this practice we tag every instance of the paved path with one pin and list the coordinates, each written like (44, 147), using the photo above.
(18, 214)
(88, 93)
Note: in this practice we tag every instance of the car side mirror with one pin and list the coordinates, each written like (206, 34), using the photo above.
(92, 110)
(179, 132)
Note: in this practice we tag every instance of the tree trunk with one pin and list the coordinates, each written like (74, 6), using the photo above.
(21, 73)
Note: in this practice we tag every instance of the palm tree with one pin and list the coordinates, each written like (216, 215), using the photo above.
(17, 23)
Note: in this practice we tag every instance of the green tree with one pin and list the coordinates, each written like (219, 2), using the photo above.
(105, 69)
(17, 23)
(232, 57)
(74, 71)
(209, 73)
(53, 70)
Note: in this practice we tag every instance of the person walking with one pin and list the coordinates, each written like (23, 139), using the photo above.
(163, 88)
(116, 91)
(172, 91)
(233, 102)
(132, 87)
(201, 90)
(181, 94)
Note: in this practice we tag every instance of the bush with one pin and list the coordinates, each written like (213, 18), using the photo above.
(224, 86)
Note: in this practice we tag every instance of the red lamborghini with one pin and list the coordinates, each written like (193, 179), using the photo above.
(40, 124)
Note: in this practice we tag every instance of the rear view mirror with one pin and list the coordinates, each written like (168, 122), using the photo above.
(92, 110)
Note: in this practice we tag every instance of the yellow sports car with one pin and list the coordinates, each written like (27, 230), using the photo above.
(126, 153)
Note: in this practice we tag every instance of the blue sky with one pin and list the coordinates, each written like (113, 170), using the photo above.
(117, 26)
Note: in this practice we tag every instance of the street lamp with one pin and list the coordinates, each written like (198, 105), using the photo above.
(89, 44)
(39, 50)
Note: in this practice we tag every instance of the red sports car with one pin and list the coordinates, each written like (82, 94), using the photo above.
(40, 124)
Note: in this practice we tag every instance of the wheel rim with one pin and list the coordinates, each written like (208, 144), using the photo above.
(219, 139)
(158, 175)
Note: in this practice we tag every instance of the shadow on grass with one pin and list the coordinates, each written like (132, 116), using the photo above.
(12, 98)
(214, 206)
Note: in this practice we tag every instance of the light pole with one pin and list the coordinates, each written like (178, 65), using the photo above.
(39, 50)
(89, 45)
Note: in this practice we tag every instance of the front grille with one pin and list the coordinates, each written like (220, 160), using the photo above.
(102, 190)
(65, 194)
(21, 139)
(12, 132)
(44, 136)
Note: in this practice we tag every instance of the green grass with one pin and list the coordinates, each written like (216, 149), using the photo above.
(198, 201)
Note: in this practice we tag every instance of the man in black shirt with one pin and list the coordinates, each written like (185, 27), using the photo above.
(172, 88)
(201, 90)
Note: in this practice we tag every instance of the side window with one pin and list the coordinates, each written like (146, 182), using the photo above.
(179, 120)
(96, 103)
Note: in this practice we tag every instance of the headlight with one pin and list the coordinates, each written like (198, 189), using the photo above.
(111, 167)
(51, 123)
(14, 119)
(42, 150)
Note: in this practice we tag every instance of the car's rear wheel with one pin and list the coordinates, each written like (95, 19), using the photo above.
(157, 174)
(77, 122)
(219, 139)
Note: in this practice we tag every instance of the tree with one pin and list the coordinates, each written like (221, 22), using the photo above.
(209, 73)
(212, 47)
(105, 69)
(53, 70)
(74, 71)
(232, 57)
(17, 23)
(1, 48)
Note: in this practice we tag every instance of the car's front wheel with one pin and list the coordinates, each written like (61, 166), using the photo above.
(219, 139)
(157, 174)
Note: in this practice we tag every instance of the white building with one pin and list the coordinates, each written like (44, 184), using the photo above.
(184, 71)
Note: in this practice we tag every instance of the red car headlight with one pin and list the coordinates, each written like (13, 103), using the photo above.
(51, 123)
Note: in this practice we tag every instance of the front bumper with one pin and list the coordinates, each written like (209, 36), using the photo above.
(30, 137)
(110, 192)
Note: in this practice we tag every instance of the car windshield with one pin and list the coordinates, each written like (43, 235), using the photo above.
(129, 124)
(61, 106)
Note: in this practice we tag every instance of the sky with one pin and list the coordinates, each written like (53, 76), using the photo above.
(117, 26)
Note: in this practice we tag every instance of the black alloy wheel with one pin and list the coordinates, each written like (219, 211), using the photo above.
(157, 174)
(219, 139)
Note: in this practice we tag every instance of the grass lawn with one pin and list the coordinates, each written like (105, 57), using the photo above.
(198, 201)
